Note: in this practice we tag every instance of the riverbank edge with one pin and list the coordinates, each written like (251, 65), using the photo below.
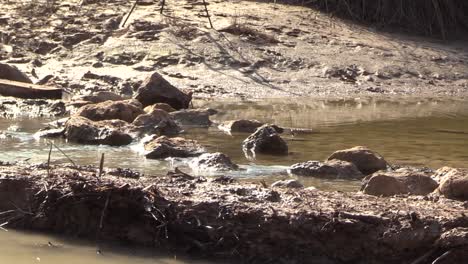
(219, 218)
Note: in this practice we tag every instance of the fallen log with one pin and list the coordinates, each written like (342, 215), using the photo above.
(241, 222)
(28, 90)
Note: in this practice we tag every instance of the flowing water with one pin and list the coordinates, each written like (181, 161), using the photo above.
(409, 131)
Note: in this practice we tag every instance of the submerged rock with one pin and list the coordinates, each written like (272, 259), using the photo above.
(108, 110)
(401, 181)
(164, 147)
(160, 106)
(265, 140)
(288, 184)
(327, 169)
(192, 117)
(108, 132)
(157, 122)
(453, 182)
(213, 162)
(240, 126)
(12, 73)
(156, 89)
(366, 160)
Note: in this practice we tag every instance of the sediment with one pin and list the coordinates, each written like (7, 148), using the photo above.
(220, 218)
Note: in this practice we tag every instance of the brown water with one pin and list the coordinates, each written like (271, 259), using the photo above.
(407, 131)
(28, 248)
(430, 132)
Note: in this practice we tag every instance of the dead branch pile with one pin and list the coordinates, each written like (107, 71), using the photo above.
(223, 219)
(444, 18)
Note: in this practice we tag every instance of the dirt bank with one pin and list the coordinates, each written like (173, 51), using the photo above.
(223, 219)
(257, 50)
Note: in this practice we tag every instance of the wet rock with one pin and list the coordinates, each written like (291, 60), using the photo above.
(453, 182)
(110, 110)
(45, 47)
(327, 169)
(366, 160)
(287, 184)
(100, 97)
(12, 73)
(157, 122)
(192, 117)
(161, 106)
(112, 23)
(213, 162)
(50, 133)
(164, 147)
(240, 126)
(125, 58)
(265, 140)
(108, 132)
(156, 89)
(401, 181)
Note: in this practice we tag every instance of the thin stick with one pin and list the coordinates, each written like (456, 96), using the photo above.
(129, 13)
(101, 221)
(162, 6)
(101, 165)
(48, 161)
(61, 151)
(207, 14)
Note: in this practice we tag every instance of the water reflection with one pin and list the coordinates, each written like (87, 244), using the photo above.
(421, 132)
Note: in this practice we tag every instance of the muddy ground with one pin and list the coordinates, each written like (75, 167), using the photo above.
(257, 50)
(219, 218)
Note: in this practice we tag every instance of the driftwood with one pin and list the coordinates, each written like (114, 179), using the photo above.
(219, 218)
(28, 90)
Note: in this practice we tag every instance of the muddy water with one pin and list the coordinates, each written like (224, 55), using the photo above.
(431, 132)
(407, 131)
(26, 248)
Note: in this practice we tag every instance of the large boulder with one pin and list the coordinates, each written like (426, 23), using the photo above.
(213, 162)
(366, 160)
(156, 89)
(164, 147)
(327, 169)
(401, 181)
(265, 140)
(157, 122)
(108, 110)
(453, 183)
(160, 106)
(12, 73)
(192, 117)
(108, 132)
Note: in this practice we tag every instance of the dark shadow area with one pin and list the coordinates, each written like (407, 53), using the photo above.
(444, 19)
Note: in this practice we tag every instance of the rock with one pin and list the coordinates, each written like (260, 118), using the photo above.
(401, 181)
(50, 133)
(453, 182)
(265, 140)
(156, 89)
(100, 97)
(366, 160)
(164, 147)
(213, 162)
(327, 169)
(12, 73)
(110, 110)
(456, 237)
(108, 132)
(161, 106)
(287, 184)
(157, 122)
(240, 126)
(192, 117)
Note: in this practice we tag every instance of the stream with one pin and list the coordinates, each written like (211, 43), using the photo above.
(408, 131)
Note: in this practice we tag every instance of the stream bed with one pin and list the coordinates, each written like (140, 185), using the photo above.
(409, 131)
